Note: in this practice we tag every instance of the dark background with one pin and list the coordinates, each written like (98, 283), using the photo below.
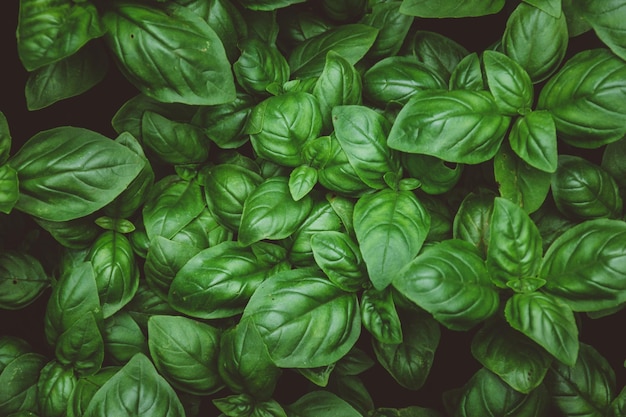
(94, 109)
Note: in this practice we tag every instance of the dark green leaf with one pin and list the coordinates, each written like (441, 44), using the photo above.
(434, 174)
(261, 68)
(472, 220)
(340, 259)
(552, 7)
(224, 124)
(84, 390)
(9, 188)
(123, 338)
(547, 321)
(461, 126)
(5, 138)
(19, 381)
(81, 346)
(450, 281)
(321, 404)
(607, 20)
(22, 279)
(533, 138)
(379, 316)
(70, 172)
(392, 25)
(55, 385)
(438, 52)
(451, 8)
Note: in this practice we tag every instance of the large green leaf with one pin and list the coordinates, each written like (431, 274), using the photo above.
(515, 249)
(50, 30)
(536, 40)
(185, 352)
(586, 265)
(22, 279)
(472, 219)
(451, 8)
(607, 18)
(533, 139)
(81, 346)
(509, 83)
(450, 281)
(136, 390)
(304, 319)
(547, 321)
(391, 227)
(70, 172)
(340, 259)
(585, 98)
(584, 389)
(457, 126)
(351, 41)
(169, 54)
(19, 381)
(392, 25)
(440, 53)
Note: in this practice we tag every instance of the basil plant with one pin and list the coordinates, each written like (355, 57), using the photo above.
(300, 205)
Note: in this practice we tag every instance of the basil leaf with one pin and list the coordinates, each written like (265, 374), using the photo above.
(292, 305)
(485, 393)
(396, 79)
(260, 68)
(391, 227)
(515, 248)
(5, 138)
(224, 124)
(338, 84)
(536, 40)
(438, 52)
(340, 259)
(509, 83)
(450, 281)
(409, 361)
(351, 41)
(189, 65)
(68, 172)
(116, 271)
(22, 279)
(352, 390)
(9, 188)
(84, 390)
(243, 405)
(519, 361)
(301, 181)
(584, 266)
(607, 20)
(19, 379)
(362, 134)
(69, 77)
(268, 5)
(135, 389)
(81, 346)
(582, 189)
(547, 321)
(379, 316)
(472, 220)
(185, 353)
(392, 25)
(123, 338)
(611, 163)
(584, 388)
(321, 404)
(552, 7)
(336, 173)
(55, 385)
(533, 139)
(468, 74)
(219, 281)
(270, 212)
(520, 182)
(434, 174)
(583, 98)
(461, 126)
(244, 363)
(449, 8)
(50, 30)
(280, 126)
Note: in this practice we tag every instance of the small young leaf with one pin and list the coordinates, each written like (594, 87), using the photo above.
(533, 138)
(301, 181)
(509, 83)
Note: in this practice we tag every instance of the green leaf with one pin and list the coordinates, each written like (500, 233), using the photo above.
(84, 390)
(536, 40)
(583, 190)
(9, 188)
(451, 8)
(340, 259)
(552, 7)
(270, 212)
(243, 405)
(5, 138)
(81, 346)
(136, 389)
(468, 74)
(409, 361)
(185, 352)
(301, 181)
(547, 321)
(116, 271)
(392, 25)
(395, 79)
(584, 98)
(224, 124)
(380, 317)
(586, 266)
(607, 20)
(438, 52)
(244, 363)
(22, 279)
(533, 139)
(304, 319)
(55, 385)
(461, 126)
(169, 54)
(268, 5)
(70, 172)
(362, 134)
(260, 68)
(219, 281)
(515, 248)
(519, 361)
(50, 30)
(486, 394)
(472, 220)
(19, 379)
(509, 83)
(434, 174)
(391, 227)
(123, 338)
(612, 158)
(450, 281)
(585, 388)
(518, 181)
(321, 404)
(69, 77)
(351, 41)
